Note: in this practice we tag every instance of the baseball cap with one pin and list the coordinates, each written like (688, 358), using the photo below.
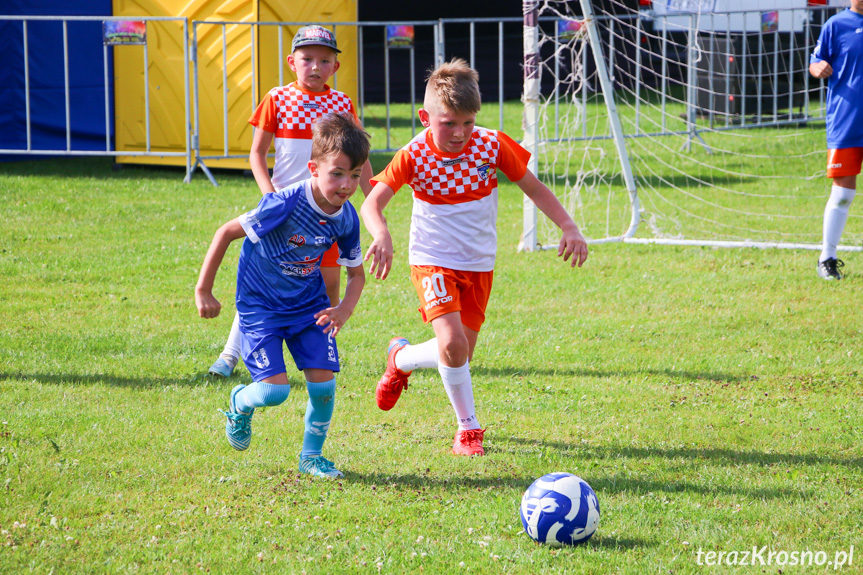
(314, 36)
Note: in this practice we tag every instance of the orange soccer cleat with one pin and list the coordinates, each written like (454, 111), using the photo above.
(468, 442)
(393, 380)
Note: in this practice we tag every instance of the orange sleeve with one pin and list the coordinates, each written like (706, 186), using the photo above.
(512, 159)
(398, 173)
(265, 116)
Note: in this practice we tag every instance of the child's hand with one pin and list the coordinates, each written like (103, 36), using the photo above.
(208, 306)
(572, 243)
(333, 319)
(821, 69)
(381, 254)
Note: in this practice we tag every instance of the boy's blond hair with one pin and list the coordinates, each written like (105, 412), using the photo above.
(453, 87)
(335, 134)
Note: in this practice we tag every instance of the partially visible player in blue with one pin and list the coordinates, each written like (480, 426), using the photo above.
(838, 56)
(281, 296)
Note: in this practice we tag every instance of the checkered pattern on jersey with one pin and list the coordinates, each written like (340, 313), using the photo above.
(466, 178)
(297, 111)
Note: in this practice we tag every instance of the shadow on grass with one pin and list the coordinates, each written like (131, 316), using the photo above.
(194, 380)
(513, 372)
(600, 484)
(713, 455)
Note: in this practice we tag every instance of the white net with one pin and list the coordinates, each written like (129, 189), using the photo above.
(723, 125)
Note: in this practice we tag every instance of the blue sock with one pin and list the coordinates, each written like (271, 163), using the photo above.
(319, 412)
(260, 394)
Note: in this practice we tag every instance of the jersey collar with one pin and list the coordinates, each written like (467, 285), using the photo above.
(310, 197)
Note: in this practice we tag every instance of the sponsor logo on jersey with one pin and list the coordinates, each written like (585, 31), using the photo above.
(311, 105)
(301, 269)
(484, 170)
(447, 163)
(320, 240)
(834, 166)
(297, 240)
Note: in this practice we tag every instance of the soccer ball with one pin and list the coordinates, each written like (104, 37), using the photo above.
(559, 509)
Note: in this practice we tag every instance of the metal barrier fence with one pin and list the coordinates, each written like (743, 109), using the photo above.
(147, 147)
(492, 44)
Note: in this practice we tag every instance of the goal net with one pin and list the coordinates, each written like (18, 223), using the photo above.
(678, 123)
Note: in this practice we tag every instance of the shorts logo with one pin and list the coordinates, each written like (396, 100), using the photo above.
(834, 166)
(484, 171)
(261, 358)
(355, 253)
(435, 291)
(297, 240)
(331, 350)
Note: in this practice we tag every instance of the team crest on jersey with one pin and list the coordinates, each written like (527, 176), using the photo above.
(300, 269)
(484, 170)
(320, 240)
(297, 240)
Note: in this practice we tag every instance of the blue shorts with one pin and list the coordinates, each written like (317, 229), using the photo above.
(310, 347)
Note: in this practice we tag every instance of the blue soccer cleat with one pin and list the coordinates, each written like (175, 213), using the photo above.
(222, 368)
(319, 466)
(238, 428)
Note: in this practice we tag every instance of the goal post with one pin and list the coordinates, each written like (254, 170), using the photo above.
(677, 123)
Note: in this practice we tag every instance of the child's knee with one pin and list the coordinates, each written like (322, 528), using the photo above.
(455, 351)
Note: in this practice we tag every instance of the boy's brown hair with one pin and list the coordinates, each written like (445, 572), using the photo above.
(453, 86)
(335, 134)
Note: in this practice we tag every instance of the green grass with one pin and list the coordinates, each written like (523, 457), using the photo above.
(710, 397)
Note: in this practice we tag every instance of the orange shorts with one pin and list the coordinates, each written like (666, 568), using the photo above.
(844, 162)
(442, 291)
(328, 260)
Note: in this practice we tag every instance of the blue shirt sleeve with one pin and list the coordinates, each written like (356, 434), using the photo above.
(822, 49)
(272, 211)
(350, 251)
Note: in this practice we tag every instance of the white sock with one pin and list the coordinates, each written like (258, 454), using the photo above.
(424, 354)
(456, 382)
(235, 340)
(835, 216)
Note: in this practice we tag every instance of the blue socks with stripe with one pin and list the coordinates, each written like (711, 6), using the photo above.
(260, 394)
(319, 412)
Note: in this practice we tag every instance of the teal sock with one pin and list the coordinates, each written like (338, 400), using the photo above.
(260, 394)
(319, 412)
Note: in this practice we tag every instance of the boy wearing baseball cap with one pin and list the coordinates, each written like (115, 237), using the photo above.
(286, 116)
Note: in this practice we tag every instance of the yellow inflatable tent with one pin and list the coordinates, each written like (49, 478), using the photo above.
(244, 57)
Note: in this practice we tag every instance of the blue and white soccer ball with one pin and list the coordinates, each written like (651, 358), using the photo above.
(559, 509)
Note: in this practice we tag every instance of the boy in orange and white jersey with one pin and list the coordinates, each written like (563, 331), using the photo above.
(286, 116)
(452, 168)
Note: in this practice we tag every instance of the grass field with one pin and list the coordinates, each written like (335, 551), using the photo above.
(710, 397)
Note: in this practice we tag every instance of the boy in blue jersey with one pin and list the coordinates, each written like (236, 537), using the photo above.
(281, 298)
(838, 56)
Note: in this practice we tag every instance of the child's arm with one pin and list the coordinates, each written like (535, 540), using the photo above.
(365, 184)
(821, 69)
(258, 160)
(209, 306)
(334, 318)
(571, 242)
(381, 248)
